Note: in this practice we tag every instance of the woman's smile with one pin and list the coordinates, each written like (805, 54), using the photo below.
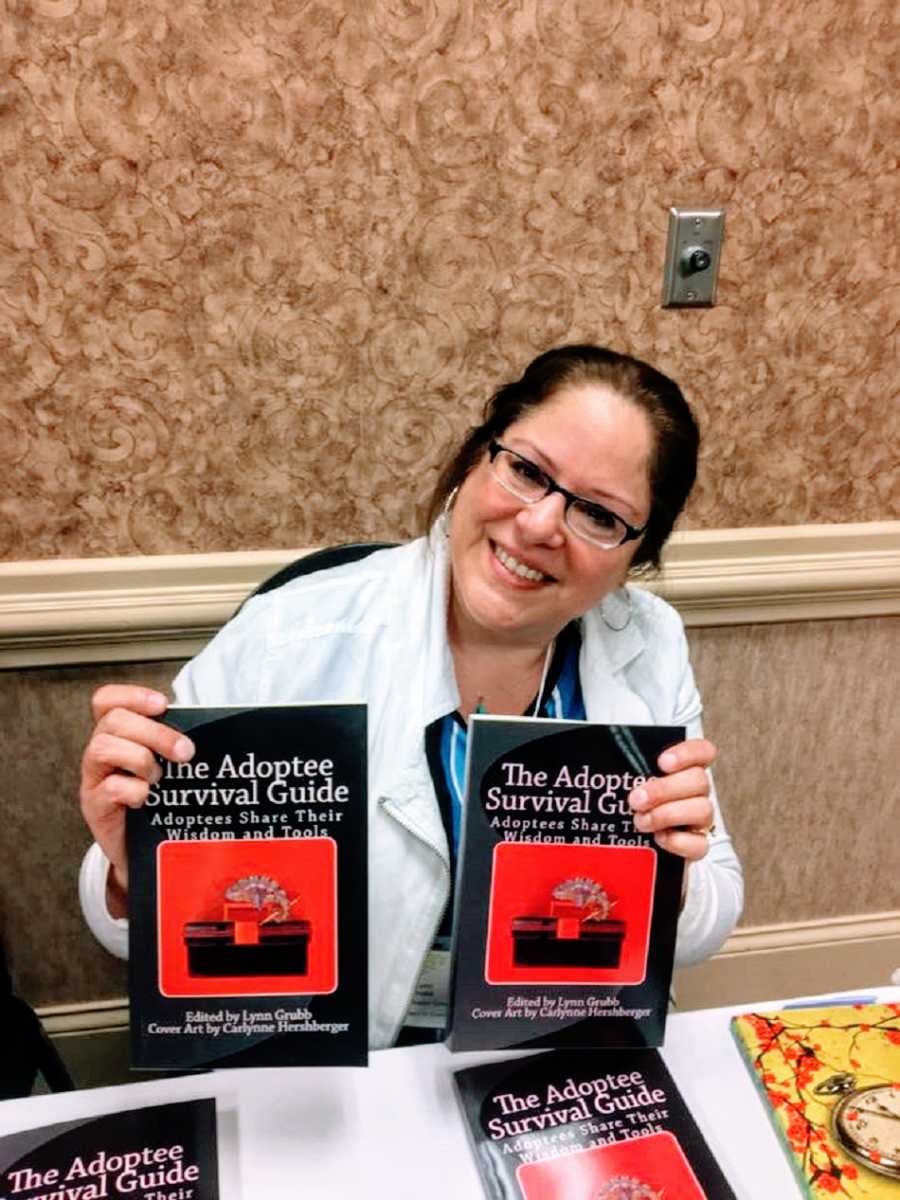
(518, 568)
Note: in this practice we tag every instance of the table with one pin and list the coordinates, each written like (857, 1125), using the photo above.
(395, 1128)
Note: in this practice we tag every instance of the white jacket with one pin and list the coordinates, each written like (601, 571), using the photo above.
(376, 631)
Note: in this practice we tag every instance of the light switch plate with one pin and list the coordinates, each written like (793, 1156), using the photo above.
(693, 252)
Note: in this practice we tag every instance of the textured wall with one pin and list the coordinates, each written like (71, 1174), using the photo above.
(44, 723)
(805, 718)
(259, 263)
(807, 778)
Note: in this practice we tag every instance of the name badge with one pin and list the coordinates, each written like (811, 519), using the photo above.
(430, 1004)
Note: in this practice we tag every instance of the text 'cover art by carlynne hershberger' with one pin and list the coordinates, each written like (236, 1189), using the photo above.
(565, 915)
(247, 893)
(586, 1125)
(830, 1080)
(164, 1150)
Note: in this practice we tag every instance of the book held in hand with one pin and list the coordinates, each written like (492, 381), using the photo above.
(565, 917)
(603, 1125)
(830, 1080)
(247, 893)
(165, 1150)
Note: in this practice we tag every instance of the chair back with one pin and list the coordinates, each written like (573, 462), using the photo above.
(29, 1059)
(317, 560)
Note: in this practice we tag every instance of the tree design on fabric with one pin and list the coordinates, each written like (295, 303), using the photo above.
(792, 1052)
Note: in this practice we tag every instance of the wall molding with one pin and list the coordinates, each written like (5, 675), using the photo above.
(756, 963)
(801, 958)
(97, 1016)
(759, 939)
(783, 573)
(59, 611)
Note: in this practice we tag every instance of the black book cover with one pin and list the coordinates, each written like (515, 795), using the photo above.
(247, 893)
(566, 915)
(163, 1150)
(597, 1124)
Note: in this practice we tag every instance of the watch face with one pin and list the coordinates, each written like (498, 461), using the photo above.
(867, 1125)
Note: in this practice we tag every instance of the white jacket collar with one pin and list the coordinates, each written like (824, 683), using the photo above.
(419, 603)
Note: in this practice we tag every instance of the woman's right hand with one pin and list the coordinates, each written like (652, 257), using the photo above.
(118, 767)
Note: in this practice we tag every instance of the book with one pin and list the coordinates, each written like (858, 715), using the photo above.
(598, 1124)
(565, 914)
(161, 1150)
(247, 893)
(830, 1080)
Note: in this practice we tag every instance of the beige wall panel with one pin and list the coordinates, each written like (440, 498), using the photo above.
(44, 722)
(806, 719)
(810, 969)
(261, 263)
(804, 714)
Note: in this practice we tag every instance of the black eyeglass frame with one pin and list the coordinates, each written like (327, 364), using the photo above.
(632, 532)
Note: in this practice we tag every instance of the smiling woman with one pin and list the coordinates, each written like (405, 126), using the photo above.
(522, 571)
(672, 465)
(515, 601)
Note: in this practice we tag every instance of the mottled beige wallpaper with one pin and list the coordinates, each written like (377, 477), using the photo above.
(804, 716)
(261, 263)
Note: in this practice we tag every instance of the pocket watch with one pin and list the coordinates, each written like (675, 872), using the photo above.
(866, 1121)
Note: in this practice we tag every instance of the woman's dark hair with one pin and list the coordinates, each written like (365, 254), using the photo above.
(673, 466)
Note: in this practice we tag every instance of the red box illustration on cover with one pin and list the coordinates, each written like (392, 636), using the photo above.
(642, 1168)
(569, 913)
(247, 918)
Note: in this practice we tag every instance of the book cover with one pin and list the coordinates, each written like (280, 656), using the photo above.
(597, 1124)
(165, 1150)
(565, 916)
(830, 1080)
(247, 893)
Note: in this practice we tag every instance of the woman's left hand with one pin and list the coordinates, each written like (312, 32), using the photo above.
(676, 807)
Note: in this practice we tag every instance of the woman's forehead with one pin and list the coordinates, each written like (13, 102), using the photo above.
(592, 416)
(595, 440)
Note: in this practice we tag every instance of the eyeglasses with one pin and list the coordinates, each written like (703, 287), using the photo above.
(526, 481)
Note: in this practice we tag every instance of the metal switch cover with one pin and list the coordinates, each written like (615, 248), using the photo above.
(692, 257)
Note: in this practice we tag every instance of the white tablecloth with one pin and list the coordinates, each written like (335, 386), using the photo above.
(395, 1130)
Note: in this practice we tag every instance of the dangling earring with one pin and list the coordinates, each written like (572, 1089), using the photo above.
(447, 510)
(620, 604)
